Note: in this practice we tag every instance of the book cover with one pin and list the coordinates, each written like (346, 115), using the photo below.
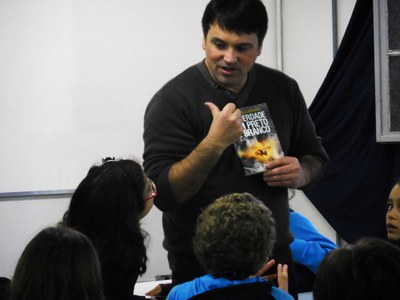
(259, 142)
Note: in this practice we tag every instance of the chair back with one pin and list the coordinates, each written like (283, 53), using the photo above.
(245, 291)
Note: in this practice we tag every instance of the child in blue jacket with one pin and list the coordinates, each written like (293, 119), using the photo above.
(308, 249)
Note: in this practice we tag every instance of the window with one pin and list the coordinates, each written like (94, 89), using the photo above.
(387, 70)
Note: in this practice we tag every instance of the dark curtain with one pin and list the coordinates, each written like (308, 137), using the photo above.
(353, 190)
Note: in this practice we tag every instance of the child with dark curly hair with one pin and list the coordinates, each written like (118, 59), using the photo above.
(234, 238)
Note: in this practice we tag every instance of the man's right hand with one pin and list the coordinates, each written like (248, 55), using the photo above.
(187, 176)
(226, 126)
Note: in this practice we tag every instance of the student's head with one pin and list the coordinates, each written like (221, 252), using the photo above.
(238, 16)
(393, 214)
(234, 236)
(107, 206)
(5, 288)
(58, 263)
(233, 34)
(110, 196)
(368, 270)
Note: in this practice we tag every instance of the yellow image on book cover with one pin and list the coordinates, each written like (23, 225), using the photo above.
(259, 142)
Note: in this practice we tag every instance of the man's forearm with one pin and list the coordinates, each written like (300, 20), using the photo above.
(187, 176)
(312, 168)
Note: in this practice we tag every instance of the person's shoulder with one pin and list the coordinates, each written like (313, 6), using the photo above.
(178, 85)
(300, 224)
(185, 76)
(297, 217)
(271, 72)
(185, 290)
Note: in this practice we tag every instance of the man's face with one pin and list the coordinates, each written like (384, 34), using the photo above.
(230, 56)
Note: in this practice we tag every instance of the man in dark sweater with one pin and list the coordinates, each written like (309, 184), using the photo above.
(191, 123)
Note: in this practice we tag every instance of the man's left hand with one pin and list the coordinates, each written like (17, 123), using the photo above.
(286, 172)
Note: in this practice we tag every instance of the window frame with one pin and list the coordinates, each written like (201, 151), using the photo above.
(384, 134)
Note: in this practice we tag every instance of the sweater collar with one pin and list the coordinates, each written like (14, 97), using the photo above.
(238, 98)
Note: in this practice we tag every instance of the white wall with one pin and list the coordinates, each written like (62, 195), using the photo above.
(308, 54)
(76, 76)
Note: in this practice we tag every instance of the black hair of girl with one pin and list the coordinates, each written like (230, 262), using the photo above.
(105, 207)
(58, 263)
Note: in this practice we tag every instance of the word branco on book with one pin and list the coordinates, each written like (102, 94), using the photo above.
(259, 142)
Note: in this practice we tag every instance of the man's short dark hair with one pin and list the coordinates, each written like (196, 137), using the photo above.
(239, 16)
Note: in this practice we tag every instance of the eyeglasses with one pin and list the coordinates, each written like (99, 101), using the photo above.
(153, 190)
(108, 158)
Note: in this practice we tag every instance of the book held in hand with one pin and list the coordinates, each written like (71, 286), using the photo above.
(259, 142)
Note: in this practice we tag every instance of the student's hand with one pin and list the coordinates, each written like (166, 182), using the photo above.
(155, 291)
(285, 171)
(283, 278)
(264, 269)
(226, 126)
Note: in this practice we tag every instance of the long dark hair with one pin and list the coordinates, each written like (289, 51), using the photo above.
(58, 263)
(105, 207)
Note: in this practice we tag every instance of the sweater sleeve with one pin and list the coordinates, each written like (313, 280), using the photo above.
(309, 246)
(304, 137)
(171, 131)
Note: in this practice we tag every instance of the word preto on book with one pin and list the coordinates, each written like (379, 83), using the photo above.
(259, 142)
(255, 124)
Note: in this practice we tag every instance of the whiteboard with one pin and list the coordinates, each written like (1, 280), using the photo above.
(75, 79)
